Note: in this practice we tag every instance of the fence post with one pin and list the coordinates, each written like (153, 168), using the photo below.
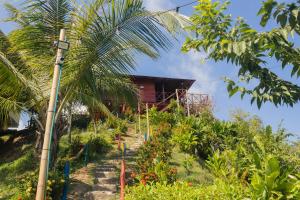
(187, 103)
(177, 99)
(66, 184)
(139, 111)
(148, 125)
(122, 174)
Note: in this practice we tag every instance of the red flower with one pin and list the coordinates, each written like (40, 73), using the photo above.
(143, 181)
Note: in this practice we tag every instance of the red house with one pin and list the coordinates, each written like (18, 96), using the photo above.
(158, 91)
(155, 90)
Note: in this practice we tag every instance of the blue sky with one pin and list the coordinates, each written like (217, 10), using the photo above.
(208, 74)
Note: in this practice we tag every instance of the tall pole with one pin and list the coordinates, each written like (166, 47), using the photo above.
(187, 103)
(177, 99)
(148, 125)
(139, 110)
(41, 187)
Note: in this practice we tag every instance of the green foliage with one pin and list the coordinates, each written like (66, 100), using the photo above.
(184, 191)
(187, 163)
(203, 134)
(154, 157)
(105, 37)
(116, 123)
(20, 165)
(98, 146)
(75, 146)
(223, 39)
(247, 160)
(157, 118)
(28, 184)
(185, 136)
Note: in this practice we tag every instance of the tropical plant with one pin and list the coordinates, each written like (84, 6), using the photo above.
(105, 37)
(247, 159)
(17, 84)
(234, 41)
(183, 191)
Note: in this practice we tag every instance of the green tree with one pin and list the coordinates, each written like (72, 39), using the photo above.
(16, 83)
(105, 38)
(234, 41)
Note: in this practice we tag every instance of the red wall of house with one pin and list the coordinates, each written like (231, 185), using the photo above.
(147, 91)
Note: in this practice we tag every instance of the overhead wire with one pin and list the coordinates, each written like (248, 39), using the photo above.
(176, 9)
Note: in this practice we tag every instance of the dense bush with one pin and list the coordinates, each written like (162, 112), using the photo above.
(98, 146)
(75, 146)
(248, 160)
(116, 123)
(185, 191)
(156, 117)
(28, 184)
(203, 134)
(154, 156)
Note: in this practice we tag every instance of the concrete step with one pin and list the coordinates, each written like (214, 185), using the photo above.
(103, 181)
(105, 188)
(99, 195)
(105, 174)
(105, 169)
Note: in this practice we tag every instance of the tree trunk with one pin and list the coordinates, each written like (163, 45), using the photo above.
(40, 121)
(95, 126)
(58, 129)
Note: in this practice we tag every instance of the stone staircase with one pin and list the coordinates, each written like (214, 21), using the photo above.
(107, 177)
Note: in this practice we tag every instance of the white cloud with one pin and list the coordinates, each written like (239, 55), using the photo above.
(158, 5)
(190, 66)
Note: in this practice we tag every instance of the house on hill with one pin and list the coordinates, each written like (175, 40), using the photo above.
(159, 91)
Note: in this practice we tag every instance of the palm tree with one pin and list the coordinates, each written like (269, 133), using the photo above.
(105, 38)
(17, 85)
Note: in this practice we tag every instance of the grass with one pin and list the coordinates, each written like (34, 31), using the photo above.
(11, 173)
(196, 173)
(19, 159)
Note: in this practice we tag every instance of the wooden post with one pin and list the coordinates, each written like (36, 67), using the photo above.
(43, 173)
(139, 110)
(122, 179)
(163, 92)
(187, 103)
(193, 107)
(177, 99)
(148, 125)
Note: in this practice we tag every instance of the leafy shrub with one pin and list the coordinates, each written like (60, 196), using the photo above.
(184, 135)
(165, 173)
(75, 146)
(269, 176)
(28, 185)
(129, 114)
(187, 163)
(156, 117)
(185, 191)
(97, 146)
(204, 134)
(154, 156)
(122, 127)
(115, 123)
